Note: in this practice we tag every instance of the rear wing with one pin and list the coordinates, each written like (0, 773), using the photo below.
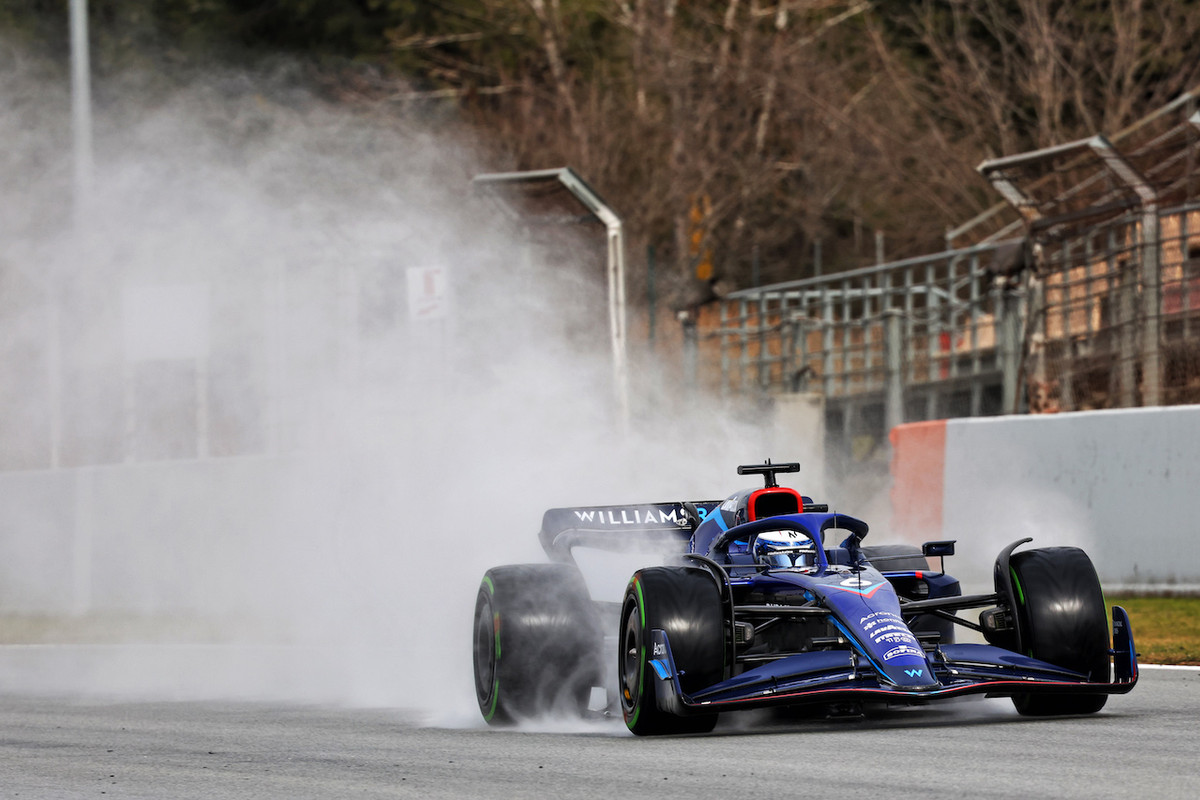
(629, 527)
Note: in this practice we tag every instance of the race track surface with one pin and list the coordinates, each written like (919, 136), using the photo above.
(1142, 745)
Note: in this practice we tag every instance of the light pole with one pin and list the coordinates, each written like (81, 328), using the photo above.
(615, 269)
(81, 105)
(81, 129)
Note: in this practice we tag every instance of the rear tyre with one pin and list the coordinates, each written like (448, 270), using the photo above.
(910, 558)
(901, 557)
(537, 643)
(1060, 615)
(686, 604)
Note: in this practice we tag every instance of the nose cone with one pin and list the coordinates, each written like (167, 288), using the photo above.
(870, 611)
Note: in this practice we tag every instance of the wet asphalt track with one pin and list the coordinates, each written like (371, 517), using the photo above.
(1142, 745)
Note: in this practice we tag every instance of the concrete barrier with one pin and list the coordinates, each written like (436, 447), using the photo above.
(1124, 485)
(293, 538)
(172, 537)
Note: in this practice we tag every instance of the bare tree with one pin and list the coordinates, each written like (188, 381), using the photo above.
(1026, 74)
(549, 17)
(800, 120)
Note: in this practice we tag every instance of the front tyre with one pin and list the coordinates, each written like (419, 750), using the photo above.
(537, 643)
(686, 604)
(1060, 614)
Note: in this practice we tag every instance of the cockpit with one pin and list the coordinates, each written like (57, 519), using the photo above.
(785, 549)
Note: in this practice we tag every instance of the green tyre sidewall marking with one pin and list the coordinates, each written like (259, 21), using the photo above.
(1017, 586)
(495, 696)
(631, 723)
(496, 675)
(496, 671)
(1020, 600)
(637, 585)
(491, 712)
(642, 655)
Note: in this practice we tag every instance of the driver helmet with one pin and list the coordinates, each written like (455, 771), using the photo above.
(784, 549)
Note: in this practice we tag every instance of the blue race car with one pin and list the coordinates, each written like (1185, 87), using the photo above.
(756, 609)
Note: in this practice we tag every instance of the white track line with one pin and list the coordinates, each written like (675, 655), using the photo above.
(1168, 666)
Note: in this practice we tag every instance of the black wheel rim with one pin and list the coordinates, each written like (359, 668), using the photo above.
(631, 658)
(485, 651)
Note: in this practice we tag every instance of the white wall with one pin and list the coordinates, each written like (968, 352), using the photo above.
(1124, 485)
(217, 536)
(186, 537)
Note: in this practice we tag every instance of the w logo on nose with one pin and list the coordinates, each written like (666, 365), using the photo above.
(914, 673)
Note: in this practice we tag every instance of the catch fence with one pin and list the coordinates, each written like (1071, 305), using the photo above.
(1104, 318)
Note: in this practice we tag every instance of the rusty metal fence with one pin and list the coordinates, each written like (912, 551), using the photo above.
(1118, 310)
(1095, 304)
(945, 319)
(1104, 318)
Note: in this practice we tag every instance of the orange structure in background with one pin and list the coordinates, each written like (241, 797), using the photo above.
(918, 479)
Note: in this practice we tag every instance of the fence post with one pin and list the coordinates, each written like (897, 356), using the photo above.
(893, 408)
(764, 366)
(826, 342)
(798, 374)
(1037, 380)
(1127, 335)
(1010, 349)
(1151, 309)
(691, 349)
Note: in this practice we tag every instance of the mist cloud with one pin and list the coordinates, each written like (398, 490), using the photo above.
(324, 480)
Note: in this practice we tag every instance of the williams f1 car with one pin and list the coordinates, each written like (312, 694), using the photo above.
(756, 608)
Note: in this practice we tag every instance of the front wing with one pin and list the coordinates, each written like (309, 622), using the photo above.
(840, 676)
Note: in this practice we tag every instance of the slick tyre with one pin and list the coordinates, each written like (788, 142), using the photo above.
(686, 604)
(537, 643)
(1060, 614)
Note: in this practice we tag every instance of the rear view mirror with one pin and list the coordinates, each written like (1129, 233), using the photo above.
(938, 549)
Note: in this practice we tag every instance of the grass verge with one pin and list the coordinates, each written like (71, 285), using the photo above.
(1166, 630)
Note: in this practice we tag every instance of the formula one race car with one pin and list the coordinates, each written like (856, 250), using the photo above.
(756, 609)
